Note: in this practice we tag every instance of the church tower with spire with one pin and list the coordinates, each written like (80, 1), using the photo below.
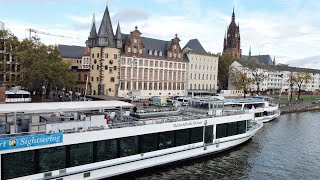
(104, 49)
(232, 41)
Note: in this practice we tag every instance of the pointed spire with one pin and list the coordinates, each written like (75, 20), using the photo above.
(274, 60)
(250, 51)
(93, 32)
(233, 15)
(106, 31)
(118, 37)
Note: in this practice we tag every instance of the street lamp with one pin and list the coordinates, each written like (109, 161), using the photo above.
(43, 92)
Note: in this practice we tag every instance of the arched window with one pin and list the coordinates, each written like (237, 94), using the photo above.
(160, 53)
(95, 61)
(150, 52)
(112, 79)
(195, 76)
(129, 49)
(155, 53)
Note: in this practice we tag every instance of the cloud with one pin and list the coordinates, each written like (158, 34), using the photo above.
(131, 14)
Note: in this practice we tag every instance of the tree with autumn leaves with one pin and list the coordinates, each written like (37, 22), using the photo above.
(41, 66)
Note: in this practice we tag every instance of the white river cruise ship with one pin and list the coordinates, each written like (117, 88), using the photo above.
(100, 139)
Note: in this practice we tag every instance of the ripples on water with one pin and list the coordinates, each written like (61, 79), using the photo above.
(286, 148)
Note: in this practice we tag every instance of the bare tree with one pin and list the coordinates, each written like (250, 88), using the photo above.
(240, 79)
(257, 71)
(298, 79)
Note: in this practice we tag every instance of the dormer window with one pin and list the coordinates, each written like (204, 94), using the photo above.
(174, 47)
(160, 53)
(174, 55)
(140, 51)
(179, 56)
(129, 49)
(135, 41)
(155, 53)
(150, 52)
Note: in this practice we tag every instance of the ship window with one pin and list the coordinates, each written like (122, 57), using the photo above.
(17, 164)
(128, 146)
(81, 154)
(196, 135)
(52, 159)
(232, 129)
(221, 130)
(241, 127)
(148, 143)
(106, 150)
(182, 137)
(208, 134)
(166, 140)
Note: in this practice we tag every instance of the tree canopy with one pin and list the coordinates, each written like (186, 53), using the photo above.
(240, 79)
(257, 70)
(40, 66)
(298, 79)
(225, 60)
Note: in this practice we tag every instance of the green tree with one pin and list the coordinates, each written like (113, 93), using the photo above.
(240, 79)
(223, 69)
(8, 45)
(257, 70)
(42, 68)
(298, 79)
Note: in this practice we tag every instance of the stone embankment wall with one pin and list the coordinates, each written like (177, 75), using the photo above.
(292, 109)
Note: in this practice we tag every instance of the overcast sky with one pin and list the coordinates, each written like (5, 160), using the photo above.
(286, 29)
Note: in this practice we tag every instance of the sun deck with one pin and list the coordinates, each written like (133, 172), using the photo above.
(74, 117)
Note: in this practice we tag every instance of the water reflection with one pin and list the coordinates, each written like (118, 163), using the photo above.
(287, 148)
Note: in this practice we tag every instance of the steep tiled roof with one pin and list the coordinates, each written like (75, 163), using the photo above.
(265, 59)
(195, 45)
(67, 51)
(284, 68)
(151, 44)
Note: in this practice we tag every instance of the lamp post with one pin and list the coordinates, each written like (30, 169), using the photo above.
(43, 92)
(63, 89)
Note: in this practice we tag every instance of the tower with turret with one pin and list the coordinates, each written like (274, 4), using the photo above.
(232, 41)
(105, 48)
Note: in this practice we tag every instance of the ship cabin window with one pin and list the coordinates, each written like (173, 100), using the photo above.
(128, 146)
(106, 150)
(230, 129)
(17, 164)
(208, 134)
(81, 154)
(148, 143)
(52, 158)
(166, 140)
(182, 137)
(196, 135)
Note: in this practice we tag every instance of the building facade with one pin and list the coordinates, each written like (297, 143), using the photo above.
(72, 55)
(277, 78)
(232, 41)
(152, 67)
(8, 63)
(202, 68)
(85, 63)
(82, 79)
(104, 50)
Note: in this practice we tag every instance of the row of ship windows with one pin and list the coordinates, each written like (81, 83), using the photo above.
(49, 159)
(151, 63)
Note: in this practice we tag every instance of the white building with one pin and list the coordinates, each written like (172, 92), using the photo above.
(85, 60)
(277, 77)
(202, 68)
(151, 67)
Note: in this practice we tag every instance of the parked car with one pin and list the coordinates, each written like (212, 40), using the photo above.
(316, 102)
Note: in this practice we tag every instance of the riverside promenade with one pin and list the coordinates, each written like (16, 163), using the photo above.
(297, 106)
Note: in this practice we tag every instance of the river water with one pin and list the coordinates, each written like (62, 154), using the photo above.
(286, 148)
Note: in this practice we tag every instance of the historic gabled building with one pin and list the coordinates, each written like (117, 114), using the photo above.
(232, 42)
(202, 68)
(104, 50)
(151, 67)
